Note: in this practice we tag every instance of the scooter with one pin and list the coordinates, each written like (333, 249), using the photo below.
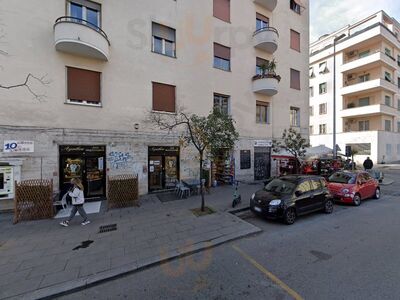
(237, 198)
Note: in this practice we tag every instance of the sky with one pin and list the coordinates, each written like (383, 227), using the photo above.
(327, 16)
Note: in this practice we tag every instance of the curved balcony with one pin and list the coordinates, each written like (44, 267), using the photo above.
(79, 37)
(266, 39)
(268, 4)
(266, 84)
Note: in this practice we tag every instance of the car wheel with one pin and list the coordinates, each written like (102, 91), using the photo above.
(357, 200)
(377, 194)
(328, 208)
(289, 216)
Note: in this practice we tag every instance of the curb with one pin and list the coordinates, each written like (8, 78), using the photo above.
(80, 284)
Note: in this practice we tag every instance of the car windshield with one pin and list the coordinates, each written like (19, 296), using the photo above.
(342, 178)
(280, 186)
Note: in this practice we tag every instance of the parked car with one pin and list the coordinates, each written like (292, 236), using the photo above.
(290, 196)
(353, 187)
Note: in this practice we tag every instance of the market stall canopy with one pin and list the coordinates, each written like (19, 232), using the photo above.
(319, 151)
(282, 154)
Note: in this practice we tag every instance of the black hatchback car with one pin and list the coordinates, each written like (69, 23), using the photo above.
(290, 196)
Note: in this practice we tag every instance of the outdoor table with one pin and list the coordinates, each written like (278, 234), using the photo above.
(193, 184)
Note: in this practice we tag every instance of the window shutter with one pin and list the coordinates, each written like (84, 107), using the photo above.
(83, 85)
(294, 40)
(262, 103)
(262, 18)
(222, 10)
(163, 32)
(222, 51)
(163, 97)
(294, 79)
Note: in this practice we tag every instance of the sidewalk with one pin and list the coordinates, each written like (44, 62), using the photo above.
(37, 258)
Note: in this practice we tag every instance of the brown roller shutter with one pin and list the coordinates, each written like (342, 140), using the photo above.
(83, 85)
(262, 18)
(261, 61)
(294, 40)
(222, 51)
(295, 79)
(262, 103)
(222, 10)
(163, 97)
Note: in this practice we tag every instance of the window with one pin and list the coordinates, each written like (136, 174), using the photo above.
(163, 97)
(363, 78)
(388, 125)
(322, 129)
(361, 149)
(323, 68)
(398, 126)
(261, 21)
(311, 73)
(262, 112)
(363, 125)
(315, 185)
(322, 88)
(86, 12)
(311, 130)
(295, 116)
(294, 40)
(221, 102)
(398, 60)
(222, 10)
(398, 148)
(311, 91)
(389, 149)
(245, 159)
(322, 109)
(295, 79)
(363, 101)
(163, 40)
(261, 65)
(388, 100)
(304, 187)
(83, 86)
(363, 54)
(398, 82)
(311, 111)
(388, 52)
(295, 6)
(398, 104)
(222, 57)
(388, 76)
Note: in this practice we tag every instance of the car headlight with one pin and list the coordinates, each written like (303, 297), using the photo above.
(252, 196)
(275, 202)
(345, 191)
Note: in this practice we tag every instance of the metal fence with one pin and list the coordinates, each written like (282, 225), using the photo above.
(122, 191)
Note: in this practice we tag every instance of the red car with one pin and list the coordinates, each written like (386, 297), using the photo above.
(352, 187)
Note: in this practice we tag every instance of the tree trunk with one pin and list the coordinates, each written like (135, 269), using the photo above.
(201, 182)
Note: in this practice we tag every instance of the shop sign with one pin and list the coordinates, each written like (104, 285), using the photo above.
(262, 143)
(18, 146)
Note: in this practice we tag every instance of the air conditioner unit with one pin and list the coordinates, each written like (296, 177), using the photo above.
(351, 76)
(352, 53)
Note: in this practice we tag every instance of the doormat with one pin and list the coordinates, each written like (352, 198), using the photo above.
(107, 228)
(168, 197)
(90, 208)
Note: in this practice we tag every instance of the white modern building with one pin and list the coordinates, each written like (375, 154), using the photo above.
(367, 88)
(108, 63)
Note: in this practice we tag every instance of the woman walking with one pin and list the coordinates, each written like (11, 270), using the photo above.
(78, 199)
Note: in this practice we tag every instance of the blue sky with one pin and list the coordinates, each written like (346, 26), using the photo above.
(327, 16)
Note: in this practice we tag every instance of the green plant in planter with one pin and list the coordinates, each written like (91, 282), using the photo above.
(271, 67)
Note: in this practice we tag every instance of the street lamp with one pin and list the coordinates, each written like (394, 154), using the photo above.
(335, 40)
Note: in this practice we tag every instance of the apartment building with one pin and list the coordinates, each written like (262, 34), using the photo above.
(367, 88)
(109, 63)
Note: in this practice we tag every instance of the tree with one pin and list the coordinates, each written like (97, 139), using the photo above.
(207, 134)
(294, 143)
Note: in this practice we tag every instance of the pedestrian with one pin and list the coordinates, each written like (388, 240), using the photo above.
(78, 199)
(368, 164)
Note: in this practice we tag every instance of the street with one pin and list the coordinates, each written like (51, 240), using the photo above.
(350, 254)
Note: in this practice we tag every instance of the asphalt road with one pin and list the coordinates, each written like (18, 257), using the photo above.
(353, 253)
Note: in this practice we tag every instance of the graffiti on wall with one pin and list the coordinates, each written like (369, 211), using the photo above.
(119, 160)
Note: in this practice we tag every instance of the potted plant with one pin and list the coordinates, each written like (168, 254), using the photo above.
(268, 71)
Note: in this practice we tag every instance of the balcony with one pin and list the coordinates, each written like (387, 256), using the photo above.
(268, 4)
(266, 84)
(373, 60)
(266, 39)
(369, 86)
(369, 110)
(79, 37)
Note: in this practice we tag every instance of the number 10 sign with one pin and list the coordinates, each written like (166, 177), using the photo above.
(18, 146)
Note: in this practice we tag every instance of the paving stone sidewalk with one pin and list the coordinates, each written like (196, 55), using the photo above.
(37, 258)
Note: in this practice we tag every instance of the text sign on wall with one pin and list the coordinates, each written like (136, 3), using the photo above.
(262, 143)
(18, 146)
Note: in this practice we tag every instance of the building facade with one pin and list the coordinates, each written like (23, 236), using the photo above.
(107, 64)
(367, 89)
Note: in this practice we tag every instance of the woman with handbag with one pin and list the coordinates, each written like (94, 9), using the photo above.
(78, 200)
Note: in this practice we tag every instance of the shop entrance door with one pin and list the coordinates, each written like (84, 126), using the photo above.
(163, 168)
(262, 163)
(86, 163)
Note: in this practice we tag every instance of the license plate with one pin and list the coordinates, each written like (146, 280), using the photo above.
(257, 209)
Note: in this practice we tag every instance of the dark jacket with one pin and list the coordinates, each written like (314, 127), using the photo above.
(368, 164)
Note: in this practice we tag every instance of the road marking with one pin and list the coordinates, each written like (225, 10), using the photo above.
(267, 273)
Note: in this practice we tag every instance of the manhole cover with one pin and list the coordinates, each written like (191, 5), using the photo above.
(107, 228)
